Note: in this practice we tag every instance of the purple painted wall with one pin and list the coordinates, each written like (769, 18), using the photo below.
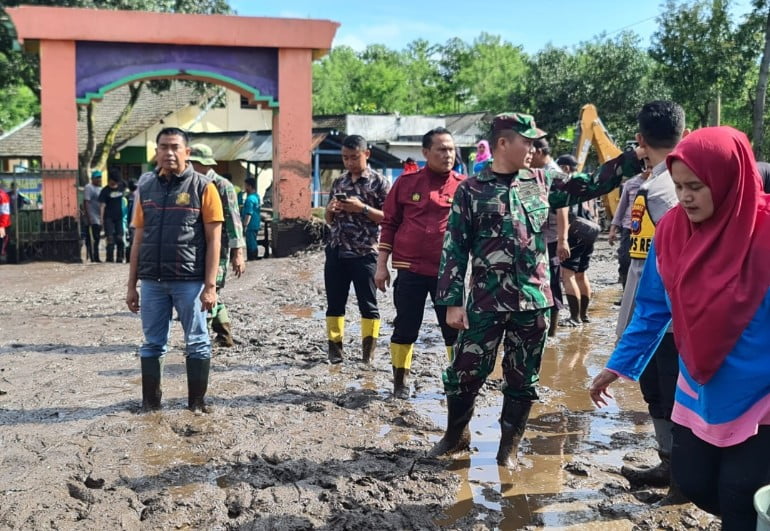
(99, 64)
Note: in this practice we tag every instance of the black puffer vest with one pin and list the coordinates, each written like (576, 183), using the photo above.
(174, 242)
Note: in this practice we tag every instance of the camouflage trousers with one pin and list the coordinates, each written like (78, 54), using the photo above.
(523, 335)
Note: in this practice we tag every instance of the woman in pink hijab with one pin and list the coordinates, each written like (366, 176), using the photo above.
(709, 272)
(483, 155)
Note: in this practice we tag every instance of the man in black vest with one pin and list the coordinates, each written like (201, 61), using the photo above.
(178, 220)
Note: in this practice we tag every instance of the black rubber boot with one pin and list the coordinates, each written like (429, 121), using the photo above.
(120, 253)
(654, 476)
(152, 378)
(401, 383)
(674, 496)
(659, 475)
(513, 422)
(457, 436)
(574, 311)
(336, 352)
(95, 252)
(368, 344)
(584, 302)
(224, 337)
(554, 323)
(110, 253)
(197, 384)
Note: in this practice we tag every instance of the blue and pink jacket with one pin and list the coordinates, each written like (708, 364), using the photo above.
(727, 409)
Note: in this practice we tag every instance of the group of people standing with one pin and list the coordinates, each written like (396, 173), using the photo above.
(108, 210)
(694, 316)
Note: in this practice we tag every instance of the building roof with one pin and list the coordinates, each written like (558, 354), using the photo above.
(150, 108)
(257, 146)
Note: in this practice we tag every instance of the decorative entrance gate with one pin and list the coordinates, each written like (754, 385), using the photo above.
(267, 60)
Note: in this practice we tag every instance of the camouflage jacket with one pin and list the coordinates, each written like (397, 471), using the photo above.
(498, 220)
(232, 231)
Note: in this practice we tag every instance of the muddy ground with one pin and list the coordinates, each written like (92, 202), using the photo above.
(293, 443)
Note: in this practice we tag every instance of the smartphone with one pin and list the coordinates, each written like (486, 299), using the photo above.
(340, 197)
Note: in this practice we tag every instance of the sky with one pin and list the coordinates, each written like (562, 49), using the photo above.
(531, 24)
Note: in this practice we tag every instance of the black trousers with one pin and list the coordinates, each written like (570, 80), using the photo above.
(95, 233)
(409, 293)
(658, 381)
(555, 267)
(722, 481)
(339, 273)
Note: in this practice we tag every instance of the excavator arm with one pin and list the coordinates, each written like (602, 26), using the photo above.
(591, 132)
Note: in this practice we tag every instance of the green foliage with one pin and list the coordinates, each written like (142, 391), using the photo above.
(16, 105)
(703, 54)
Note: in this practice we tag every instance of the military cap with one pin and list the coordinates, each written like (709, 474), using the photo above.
(524, 124)
(203, 154)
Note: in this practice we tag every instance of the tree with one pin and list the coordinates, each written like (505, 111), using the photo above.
(18, 104)
(758, 114)
(334, 90)
(18, 68)
(497, 70)
(702, 56)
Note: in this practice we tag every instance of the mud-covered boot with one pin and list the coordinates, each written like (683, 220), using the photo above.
(336, 352)
(335, 328)
(659, 475)
(401, 383)
(574, 312)
(513, 422)
(457, 436)
(224, 336)
(370, 331)
(554, 323)
(197, 384)
(674, 496)
(584, 302)
(368, 344)
(654, 476)
(401, 361)
(152, 378)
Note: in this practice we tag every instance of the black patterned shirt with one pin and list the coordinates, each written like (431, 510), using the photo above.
(354, 234)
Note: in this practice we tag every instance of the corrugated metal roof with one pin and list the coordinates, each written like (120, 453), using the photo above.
(248, 146)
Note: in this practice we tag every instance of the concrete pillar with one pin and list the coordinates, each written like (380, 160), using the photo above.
(292, 138)
(59, 129)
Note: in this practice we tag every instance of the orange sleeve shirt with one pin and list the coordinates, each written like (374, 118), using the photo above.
(211, 207)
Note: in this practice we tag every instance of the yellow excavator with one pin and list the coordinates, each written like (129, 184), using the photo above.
(591, 132)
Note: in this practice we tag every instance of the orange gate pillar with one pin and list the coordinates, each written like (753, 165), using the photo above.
(292, 137)
(59, 129)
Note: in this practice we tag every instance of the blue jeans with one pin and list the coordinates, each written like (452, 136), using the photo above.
(157, 300)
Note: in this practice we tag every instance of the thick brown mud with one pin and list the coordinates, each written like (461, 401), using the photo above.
(294, 443)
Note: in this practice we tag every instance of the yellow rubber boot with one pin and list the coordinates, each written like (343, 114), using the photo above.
(335, 329)
(401, 358)
(450, 353)
(370, 331)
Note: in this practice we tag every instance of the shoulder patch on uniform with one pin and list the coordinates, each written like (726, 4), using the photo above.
(416, 196)
(183, 199)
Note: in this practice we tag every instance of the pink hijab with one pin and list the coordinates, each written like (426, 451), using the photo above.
(716, 272)
(481, 157)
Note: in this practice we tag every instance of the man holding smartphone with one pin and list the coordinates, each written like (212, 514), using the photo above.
(354, 215)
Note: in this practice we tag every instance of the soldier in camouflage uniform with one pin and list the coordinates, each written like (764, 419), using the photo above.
(233, 241)
(498, 217)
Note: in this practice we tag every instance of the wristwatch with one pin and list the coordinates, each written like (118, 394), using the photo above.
(365, 211)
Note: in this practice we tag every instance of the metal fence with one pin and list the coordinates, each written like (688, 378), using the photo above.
(35, 239)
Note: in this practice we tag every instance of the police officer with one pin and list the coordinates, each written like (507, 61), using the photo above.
(498, 217)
